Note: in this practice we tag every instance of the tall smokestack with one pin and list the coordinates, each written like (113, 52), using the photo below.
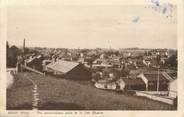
(24, 44)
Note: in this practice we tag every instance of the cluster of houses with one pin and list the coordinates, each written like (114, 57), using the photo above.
(151, 81)
(112, 72)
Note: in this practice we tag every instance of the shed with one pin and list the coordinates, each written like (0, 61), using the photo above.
(152, 79)
(109, 84)
(134, 84)
(70, 70)
(35, 62)
(105, 84)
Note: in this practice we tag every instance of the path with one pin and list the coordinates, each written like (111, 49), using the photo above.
(35, 101)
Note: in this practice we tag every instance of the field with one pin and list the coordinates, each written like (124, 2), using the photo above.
(62, 94)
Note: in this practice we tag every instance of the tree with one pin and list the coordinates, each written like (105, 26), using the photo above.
(90, 62)
(12, 54)
(172, 61)
(116, 53)
(124, 71)
(95, 76)
(158, 58)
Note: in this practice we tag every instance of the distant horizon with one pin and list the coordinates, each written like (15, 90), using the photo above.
(20, 46)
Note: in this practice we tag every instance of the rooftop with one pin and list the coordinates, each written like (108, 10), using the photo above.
(154, 77)
(62, 66)
(133, 81)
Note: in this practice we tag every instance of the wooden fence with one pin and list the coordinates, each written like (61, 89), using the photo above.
(31, 69)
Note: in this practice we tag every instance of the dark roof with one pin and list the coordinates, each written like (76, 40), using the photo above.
(172, 75)
(104, 81)
(154, 77)
(34, 58)
(30, 59)
(133, 81)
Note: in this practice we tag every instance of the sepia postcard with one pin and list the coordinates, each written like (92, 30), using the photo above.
(92, 58)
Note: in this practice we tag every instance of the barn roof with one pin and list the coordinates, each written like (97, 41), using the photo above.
(62, 66)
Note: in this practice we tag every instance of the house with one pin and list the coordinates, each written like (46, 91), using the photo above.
(45, 63)
(105, 84)
(134, 84)
(154, 81)
(170, 76)
(69, 70)
(35, 62)
(101, 66)
(173, 89)
(99, 61)
(115, 63)
(146, 63)
(103, 56)
(173, 75)
(109, 84)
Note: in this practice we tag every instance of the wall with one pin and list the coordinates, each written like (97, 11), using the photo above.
(155, 97)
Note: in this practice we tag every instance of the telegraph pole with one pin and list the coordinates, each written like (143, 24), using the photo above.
(158, 60)
(158, 78)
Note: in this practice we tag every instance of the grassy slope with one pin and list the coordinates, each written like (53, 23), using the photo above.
(61, 92)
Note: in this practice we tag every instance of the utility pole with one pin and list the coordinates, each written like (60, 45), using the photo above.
(158, 66)
(158, 82)
(23, 55)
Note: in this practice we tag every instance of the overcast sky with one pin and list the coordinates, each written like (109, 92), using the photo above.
(90, 26)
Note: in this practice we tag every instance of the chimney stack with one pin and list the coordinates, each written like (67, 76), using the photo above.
(24, 43)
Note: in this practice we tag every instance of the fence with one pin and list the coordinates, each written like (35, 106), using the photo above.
(164, 99)
(31, 69)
